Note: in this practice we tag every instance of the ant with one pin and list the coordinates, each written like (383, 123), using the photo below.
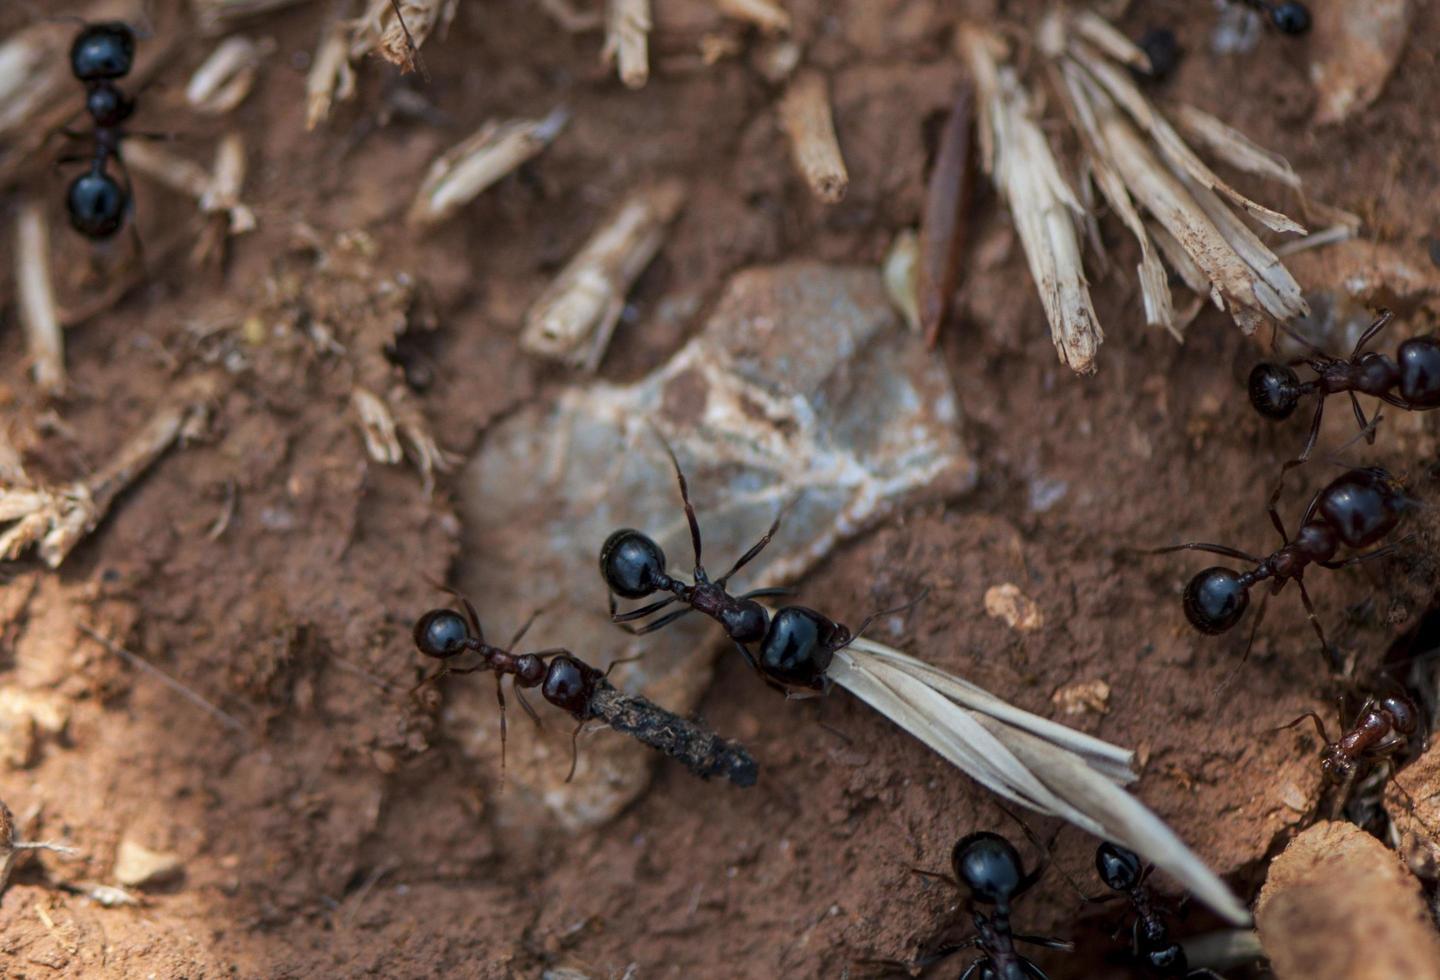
(101, 54)
(1288, 16)
(1356, 509)
(565, 682)
(1410, 381)
(1160, 956)
(796, 646)
(1381, 730)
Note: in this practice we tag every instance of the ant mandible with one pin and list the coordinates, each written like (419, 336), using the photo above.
(796, 645)
(1121, 871)
(1356, 509)
(96, 202)
(565, 682)
(1410, 381)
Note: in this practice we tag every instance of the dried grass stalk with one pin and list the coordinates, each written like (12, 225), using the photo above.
(764, 14)
(216, 193)
(466, 169)
(1046, 213)
(175, 172)
(627, 40)
(215, 15)
(805, 116)
(576, 315)
(226, 77)
(55, 519)
(1026, 759)
(397, 37)
(39, 313)
(33, 73)
(330, 79)
(1234, 147)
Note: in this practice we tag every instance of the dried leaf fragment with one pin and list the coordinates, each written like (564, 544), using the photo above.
(576, 315)
(459, 174)
(806, 119)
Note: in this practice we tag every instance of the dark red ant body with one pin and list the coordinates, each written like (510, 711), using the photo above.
(1357, 509)
(796, 646)
(1382, 729)
(1411, 380)
(574, 686)
(101, 54)
(1159, 955)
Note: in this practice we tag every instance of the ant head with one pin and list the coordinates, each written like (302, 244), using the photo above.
(96, 204)
(745, 621)
(102, 51)
(990, 867)
(1215, 599)
(632, 564)
(569, 685)
(1168, 960)
(442, 633)
(1337, 766)
(1274, 390)
(1119, 868)
(1291, 17)
(799, 646)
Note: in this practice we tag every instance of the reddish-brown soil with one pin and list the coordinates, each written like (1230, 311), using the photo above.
(331, 830)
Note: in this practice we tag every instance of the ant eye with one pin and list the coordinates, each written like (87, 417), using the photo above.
(1215, 600)
(1118, 868)
(1274, 390)
(632, 564)
(441, 633)
(1290, 18)
(989, 866)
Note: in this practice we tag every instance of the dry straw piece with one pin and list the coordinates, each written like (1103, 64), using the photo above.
(39, 314)
(215, 193)
(55, 519)
(805, 116)
(764, 14)
(575, 316)
(1175, 206)
(1025, 759)
(331, 79)
(466, 169)
(226, 77)
(627, 40)
(396, 29)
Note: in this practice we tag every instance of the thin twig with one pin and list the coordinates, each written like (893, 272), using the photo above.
(805, 117)
(134, 660)
(627, 34)
(38, 311)
(330, 79)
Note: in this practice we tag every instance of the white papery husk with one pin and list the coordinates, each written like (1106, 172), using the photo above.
(1028, 760)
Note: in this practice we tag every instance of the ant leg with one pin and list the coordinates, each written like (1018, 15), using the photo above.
(1313, 506)
(755, 549)
(1255, 626)
(1047, 942)
(1384, 552)
(622, 660)
(550, 652)
(574, 751)
(937, 875)
(500, 697)
(689, 511)
(1272, 511)
(749, 658)
(1294, 335)
(1315, 622)
(1381, 322)
(525, 628)
(433, 677)
(1366, 429)
(130, 207)
(870, 619)
(1216, 549)
(1319, 725)
(640, 613)
(765, 593)
(525, 703)
(660, 623)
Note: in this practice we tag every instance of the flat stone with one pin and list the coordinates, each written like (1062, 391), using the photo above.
(137, 866)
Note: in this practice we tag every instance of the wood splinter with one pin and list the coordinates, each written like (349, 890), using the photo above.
(627, 40)
(805, 116)
(942, 227)
(576, 315)
(39, 313)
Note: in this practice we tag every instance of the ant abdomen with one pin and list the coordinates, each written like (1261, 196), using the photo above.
(1215, 599)
(1274, 390)
(989, 866)
(632, 564)
(442, 633)
(1419, 359)
(96, 204)
(799, 646)
(103, 52)
(1362, 506)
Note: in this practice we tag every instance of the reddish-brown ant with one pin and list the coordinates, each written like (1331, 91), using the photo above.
(569, 683)
(1383, 728)
(796, 646)
(1357, 509)
(1411, 380)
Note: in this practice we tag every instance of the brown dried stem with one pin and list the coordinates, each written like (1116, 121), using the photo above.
(39, 313)
(805, 117)
(627, 40)
(942, 225)
(330, 79)
(396, 29)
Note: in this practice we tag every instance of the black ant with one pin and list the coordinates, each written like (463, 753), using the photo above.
(797, 645)
(1287, 17)
(1159, 955)
(570, 684)
(1356, 509)
(101, 54)
(1381, 730)
(990, 868)
(1410, 381)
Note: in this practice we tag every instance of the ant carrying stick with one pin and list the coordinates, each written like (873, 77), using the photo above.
(1383, 729)
(572, 685)
(1357, 509)
(990, 869)
(101, 54)
(796, 645)
(1159, 955)
(1410, 381)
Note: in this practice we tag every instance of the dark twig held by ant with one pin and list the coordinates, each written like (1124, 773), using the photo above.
(574, 686)
(1159, 955)
(101, 54)
(1357, 509)
(796, 646)
(1411, 380)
